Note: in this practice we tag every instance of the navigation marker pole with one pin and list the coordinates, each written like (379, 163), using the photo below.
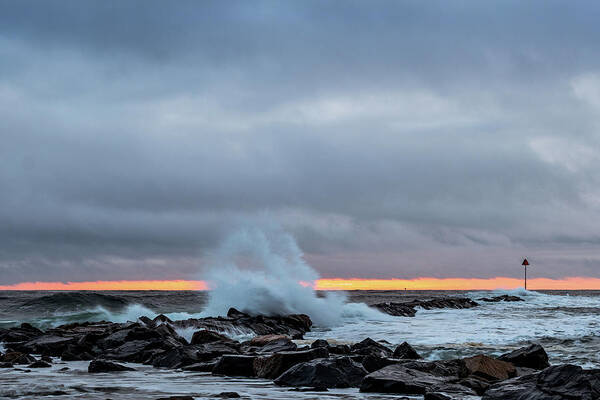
(525, 264)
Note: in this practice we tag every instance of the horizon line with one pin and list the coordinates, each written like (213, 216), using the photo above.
(421, 283)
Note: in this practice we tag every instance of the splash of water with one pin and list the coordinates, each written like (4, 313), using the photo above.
(263, 272)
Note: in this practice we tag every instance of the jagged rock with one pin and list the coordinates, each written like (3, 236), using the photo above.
(396, 309)
(106, 366)
(373, 363)
(319, 343)
(228, 395)
(504, 297)
(343, 349)
(47, 344)
(399, 379)
(273, 366)
(23, 333)
(162, 319)
(370, 347)
(489, 368)
(442, 368)
(205, 336)
(16, 357)
(176, 358)
(408, 308)
(532, 356)
(559, 382)
(324, 372)
(436, 396)
(269, 344)
(39, 364)
(406, 352)
(402, 380)
(235, 365)
(202, 366)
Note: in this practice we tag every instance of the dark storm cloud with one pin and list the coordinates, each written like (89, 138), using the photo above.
(397, 138)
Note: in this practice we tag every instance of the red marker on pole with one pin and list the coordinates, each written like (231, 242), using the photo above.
(525, 264)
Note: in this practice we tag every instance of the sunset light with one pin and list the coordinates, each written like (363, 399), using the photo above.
(570, 283)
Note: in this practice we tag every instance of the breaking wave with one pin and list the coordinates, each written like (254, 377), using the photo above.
(263, 272)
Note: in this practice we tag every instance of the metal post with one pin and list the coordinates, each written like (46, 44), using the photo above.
(526, 277)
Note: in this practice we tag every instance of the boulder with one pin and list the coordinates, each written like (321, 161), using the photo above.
(559, 382)
(370, 347)
(205, 336)
(319, 343)
(235, 365)
(488, 368)
(406, 352)
(23, 333)
(396, 309)
(106, 366)
(269, 344)
(16, 357)
(343, 349)
(399, 379)
(201, 367)
(273, 366)
(39, 364)
(47, 344)
(373, 363)
(324, 372)
(442, 368)
(532, 356)
(6, 364)
(504, 297)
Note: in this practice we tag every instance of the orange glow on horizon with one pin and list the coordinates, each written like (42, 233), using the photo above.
(109, 285)
(571, 283)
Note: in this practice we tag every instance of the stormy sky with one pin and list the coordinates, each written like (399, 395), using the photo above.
(391, 138)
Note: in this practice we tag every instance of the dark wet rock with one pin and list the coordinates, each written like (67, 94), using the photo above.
(162, 319)
(228, 395)
(406, 352)
(399, 379)
(371, 347)
(269, 344)
(396, 309)
(478, 385)
(309, 389)
(202, 366)
(16, 357)
(408, 308)
(402, 380)
(273, 366)
(504, 297)
(47, 344)
(343, 349)
(324, 372)
(559, 382)
(23, 333)
(147, 321)
(205, 336)
(294, 325)
(48, 359)
(374, 363)
(176, 398)
(442, 368)
(488, 368)
(39, 364)
(133, 351)
(176, 358)
(532, 356)
(5, 364)
(106, 366)
(235, 365)
(319, 343)
(436, 396)
(69, 355)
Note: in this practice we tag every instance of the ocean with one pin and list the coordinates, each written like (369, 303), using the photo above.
(565, 323)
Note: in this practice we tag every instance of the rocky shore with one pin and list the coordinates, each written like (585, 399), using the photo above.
(371, 366)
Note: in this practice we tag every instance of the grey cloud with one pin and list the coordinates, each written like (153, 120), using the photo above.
(396, 138)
